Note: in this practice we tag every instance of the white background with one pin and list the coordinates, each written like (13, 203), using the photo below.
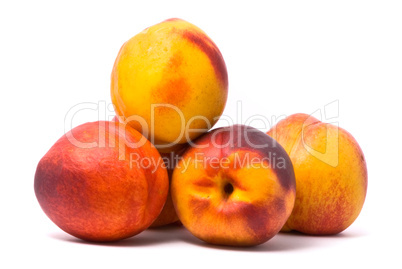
(282, 57)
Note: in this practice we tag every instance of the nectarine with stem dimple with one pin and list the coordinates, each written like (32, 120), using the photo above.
(234, 186)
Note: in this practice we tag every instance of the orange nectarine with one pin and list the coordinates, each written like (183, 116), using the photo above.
(234, 186)
(168, 214)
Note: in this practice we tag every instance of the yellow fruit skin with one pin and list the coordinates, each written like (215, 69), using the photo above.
(168, 80)
(331, 174)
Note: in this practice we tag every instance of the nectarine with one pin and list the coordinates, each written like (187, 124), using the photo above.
(331, 174)
(88, 185)
(234, 186)
(168, 214)
(168, 81)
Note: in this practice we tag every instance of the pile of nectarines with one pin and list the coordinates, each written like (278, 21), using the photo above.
(157, 163)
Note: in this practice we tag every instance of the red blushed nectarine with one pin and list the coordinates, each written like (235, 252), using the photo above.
(168, 214)
(234, 186)
(88, 185)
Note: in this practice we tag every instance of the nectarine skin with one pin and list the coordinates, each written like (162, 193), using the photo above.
(234, 186)
(168, 214)
(93, 191)
(331, 174)
(169, 79)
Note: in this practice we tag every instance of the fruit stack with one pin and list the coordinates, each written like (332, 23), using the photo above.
(158, 163)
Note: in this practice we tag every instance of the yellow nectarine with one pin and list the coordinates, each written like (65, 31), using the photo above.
(331, 174)
(168, 81)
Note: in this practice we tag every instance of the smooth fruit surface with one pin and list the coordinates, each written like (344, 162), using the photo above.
(169, 80)
(234, 186)
(331, 174)
(168, 214)
(92, 185)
